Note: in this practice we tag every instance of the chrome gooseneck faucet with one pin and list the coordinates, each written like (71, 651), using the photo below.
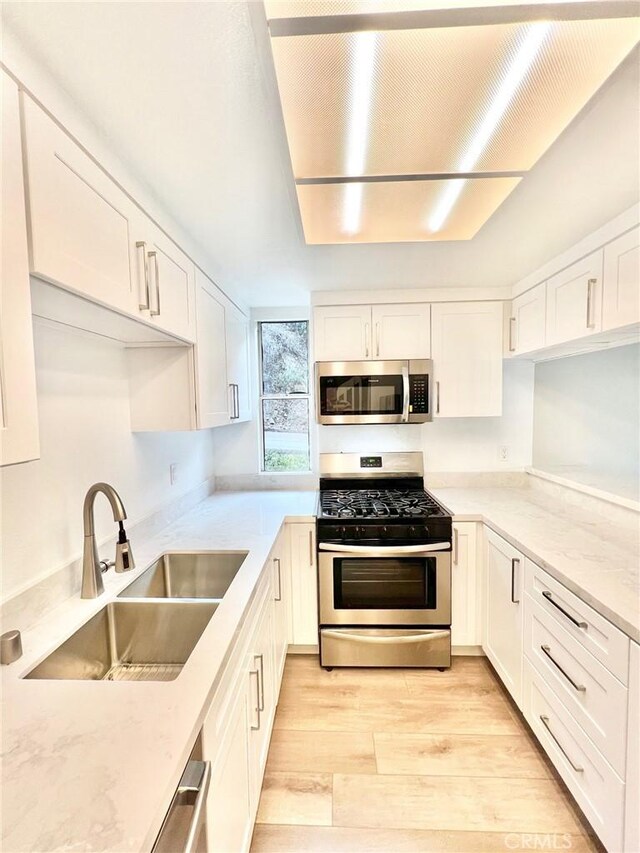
(92, 585)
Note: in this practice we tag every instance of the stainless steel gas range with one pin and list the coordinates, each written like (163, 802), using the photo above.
(384, 564)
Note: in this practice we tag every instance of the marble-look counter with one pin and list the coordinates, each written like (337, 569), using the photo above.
(591, 547)
(90, 765)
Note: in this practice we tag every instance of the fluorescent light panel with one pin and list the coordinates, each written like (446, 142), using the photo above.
(514, 75)
(358, 132)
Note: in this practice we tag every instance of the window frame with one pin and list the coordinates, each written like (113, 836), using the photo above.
(263, 396)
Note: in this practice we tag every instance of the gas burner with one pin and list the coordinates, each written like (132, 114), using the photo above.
(377, 503)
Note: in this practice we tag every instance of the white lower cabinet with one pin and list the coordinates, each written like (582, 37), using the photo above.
(632, 798)
(281, 586)
(465, 592)
(262, 700)
(304, 584)
(504, 568)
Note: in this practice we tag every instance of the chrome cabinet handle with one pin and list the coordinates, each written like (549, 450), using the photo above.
(260, 658)
(366, 340)
(546, 594)
(377, 339)
(155, 310)
(545, 723)
(143, 276)
(437, 398)
(237, 402)
(455, 546)
(256, 672)
(278, 597)
(512, 321)
(579, 687)
(202, 788)
(515, 560)
(311, 547)
(405, 395)
(590, 285)
(232, 413)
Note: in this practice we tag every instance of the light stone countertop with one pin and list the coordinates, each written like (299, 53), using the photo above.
(91, 765)
(597, 556)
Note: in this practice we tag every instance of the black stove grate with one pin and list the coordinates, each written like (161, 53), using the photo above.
(378, 503)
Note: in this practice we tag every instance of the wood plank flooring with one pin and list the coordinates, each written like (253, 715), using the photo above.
(401, 761)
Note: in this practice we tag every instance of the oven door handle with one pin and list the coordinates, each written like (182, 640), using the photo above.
(405, 394)
(386, 641)
(392, 551)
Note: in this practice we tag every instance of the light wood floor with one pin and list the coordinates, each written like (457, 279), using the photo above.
(401, 761)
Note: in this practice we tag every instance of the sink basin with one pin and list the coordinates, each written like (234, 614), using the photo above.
(202, 574)
(130, 641)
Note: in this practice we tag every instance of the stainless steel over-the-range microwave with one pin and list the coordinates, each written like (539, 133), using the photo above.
(373, 392)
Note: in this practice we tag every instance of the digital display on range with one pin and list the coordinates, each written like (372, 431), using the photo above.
(371, 461)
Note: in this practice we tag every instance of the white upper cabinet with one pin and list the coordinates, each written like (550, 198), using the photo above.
(401, 331)
(621, 296)
(467, 358)
(171, 281)
(80, 220)
(19, 441)
(238, 374)
(574, 300)
(527, 321)
(342, 332)
(211, 355)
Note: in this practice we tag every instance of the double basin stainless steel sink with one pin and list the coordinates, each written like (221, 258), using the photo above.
(148, 640)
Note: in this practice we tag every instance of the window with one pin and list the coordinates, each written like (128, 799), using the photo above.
(284, 395)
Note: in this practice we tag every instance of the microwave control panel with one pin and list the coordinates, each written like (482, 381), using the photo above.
(419, 394)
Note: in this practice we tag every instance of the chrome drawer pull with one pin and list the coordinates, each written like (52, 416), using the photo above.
(256, 672)
(514, 560)
(545, 723)
(260, 682)
(455, 546)
(278, 597)
(546, 594)
(580, 687)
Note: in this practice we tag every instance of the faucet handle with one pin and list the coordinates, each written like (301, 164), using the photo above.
(105, 565)
(124, 554)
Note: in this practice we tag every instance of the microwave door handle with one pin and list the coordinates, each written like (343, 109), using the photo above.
(405, 394)
(391, 551)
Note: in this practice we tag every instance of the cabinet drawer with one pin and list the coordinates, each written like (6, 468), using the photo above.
(592, 781)
(596, 700)
(605, 642)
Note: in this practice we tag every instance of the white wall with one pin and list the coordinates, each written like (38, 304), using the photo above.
(85, 437)
(587, 419)
(454, 444)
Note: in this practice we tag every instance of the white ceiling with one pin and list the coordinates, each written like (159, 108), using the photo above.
(179, 91)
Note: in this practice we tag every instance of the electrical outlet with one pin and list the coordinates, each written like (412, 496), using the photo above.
(503, 453)
(173, 473)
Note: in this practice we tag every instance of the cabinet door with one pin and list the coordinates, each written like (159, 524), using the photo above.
(574, 300)
(171, 286)
(527, 321)
(211, 355)
(238, 375)
(621, 295)
(19, 440)
(262, 702)
(464, 590)
(304, 584)
(229, 812)
(632, 816)
(467, 359)
(342, 332)
(504, 569)
(79, 218)
(282, 602)
(401, 331)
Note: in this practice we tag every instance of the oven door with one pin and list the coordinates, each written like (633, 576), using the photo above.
(362, 392)
(401, 585)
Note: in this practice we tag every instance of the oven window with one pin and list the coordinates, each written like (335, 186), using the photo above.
(361, 395)
(384, 583)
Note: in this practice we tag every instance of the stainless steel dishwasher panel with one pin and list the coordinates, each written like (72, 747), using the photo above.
(184, 829)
